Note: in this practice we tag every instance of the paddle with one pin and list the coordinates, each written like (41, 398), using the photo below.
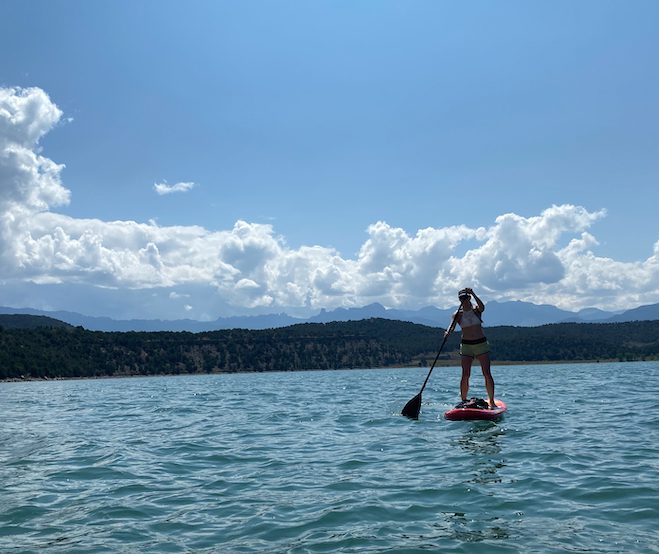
(413, 407)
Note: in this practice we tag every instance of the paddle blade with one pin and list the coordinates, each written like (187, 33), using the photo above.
(413, 407)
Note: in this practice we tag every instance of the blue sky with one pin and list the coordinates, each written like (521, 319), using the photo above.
(326, 154)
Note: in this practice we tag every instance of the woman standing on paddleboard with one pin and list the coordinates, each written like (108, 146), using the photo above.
(473, 343)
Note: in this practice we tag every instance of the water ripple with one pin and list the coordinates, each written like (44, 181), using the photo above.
(323, 462)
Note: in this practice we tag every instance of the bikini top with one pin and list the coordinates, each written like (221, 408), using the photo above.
(470, 318)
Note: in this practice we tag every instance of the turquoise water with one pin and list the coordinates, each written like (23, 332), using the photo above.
(322, 462)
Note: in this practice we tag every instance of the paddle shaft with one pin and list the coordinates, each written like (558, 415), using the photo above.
(433, 364)
(413, 407)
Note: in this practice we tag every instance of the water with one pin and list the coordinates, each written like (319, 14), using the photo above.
(322, 462)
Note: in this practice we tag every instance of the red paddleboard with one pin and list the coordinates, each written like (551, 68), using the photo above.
(457, 413)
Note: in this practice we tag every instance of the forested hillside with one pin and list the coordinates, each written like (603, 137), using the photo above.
(634, 340)
(23, 321)
(74, 352)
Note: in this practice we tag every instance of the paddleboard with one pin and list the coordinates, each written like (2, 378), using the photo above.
(461, 413)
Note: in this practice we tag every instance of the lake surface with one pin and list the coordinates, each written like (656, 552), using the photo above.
(323, 462)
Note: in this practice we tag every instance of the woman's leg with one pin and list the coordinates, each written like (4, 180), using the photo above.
(484, 360)
(466, 373)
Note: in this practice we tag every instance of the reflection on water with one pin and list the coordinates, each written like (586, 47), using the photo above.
(480, 445)
(459, 526)
(482, 441)
(481, 437)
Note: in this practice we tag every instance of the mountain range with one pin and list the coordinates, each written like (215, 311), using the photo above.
(516, 313)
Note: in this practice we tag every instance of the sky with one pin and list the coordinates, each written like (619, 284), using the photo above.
(204, 159)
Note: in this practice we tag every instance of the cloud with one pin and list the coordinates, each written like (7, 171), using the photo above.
(522, 251)
(548, 257)
(163, 188)
(28, 181)
(26, 115)
(177, 295)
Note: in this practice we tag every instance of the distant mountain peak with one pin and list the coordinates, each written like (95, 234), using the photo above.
(510, 312)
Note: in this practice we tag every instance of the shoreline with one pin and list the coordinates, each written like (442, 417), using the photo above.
(440, 363)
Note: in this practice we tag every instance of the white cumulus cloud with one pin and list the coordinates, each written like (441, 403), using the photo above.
(548, 257)
(163, 188)
(28, 181)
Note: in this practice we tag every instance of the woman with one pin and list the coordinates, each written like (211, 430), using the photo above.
(473, 343)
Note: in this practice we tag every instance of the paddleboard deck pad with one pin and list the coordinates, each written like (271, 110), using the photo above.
(476, 408)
